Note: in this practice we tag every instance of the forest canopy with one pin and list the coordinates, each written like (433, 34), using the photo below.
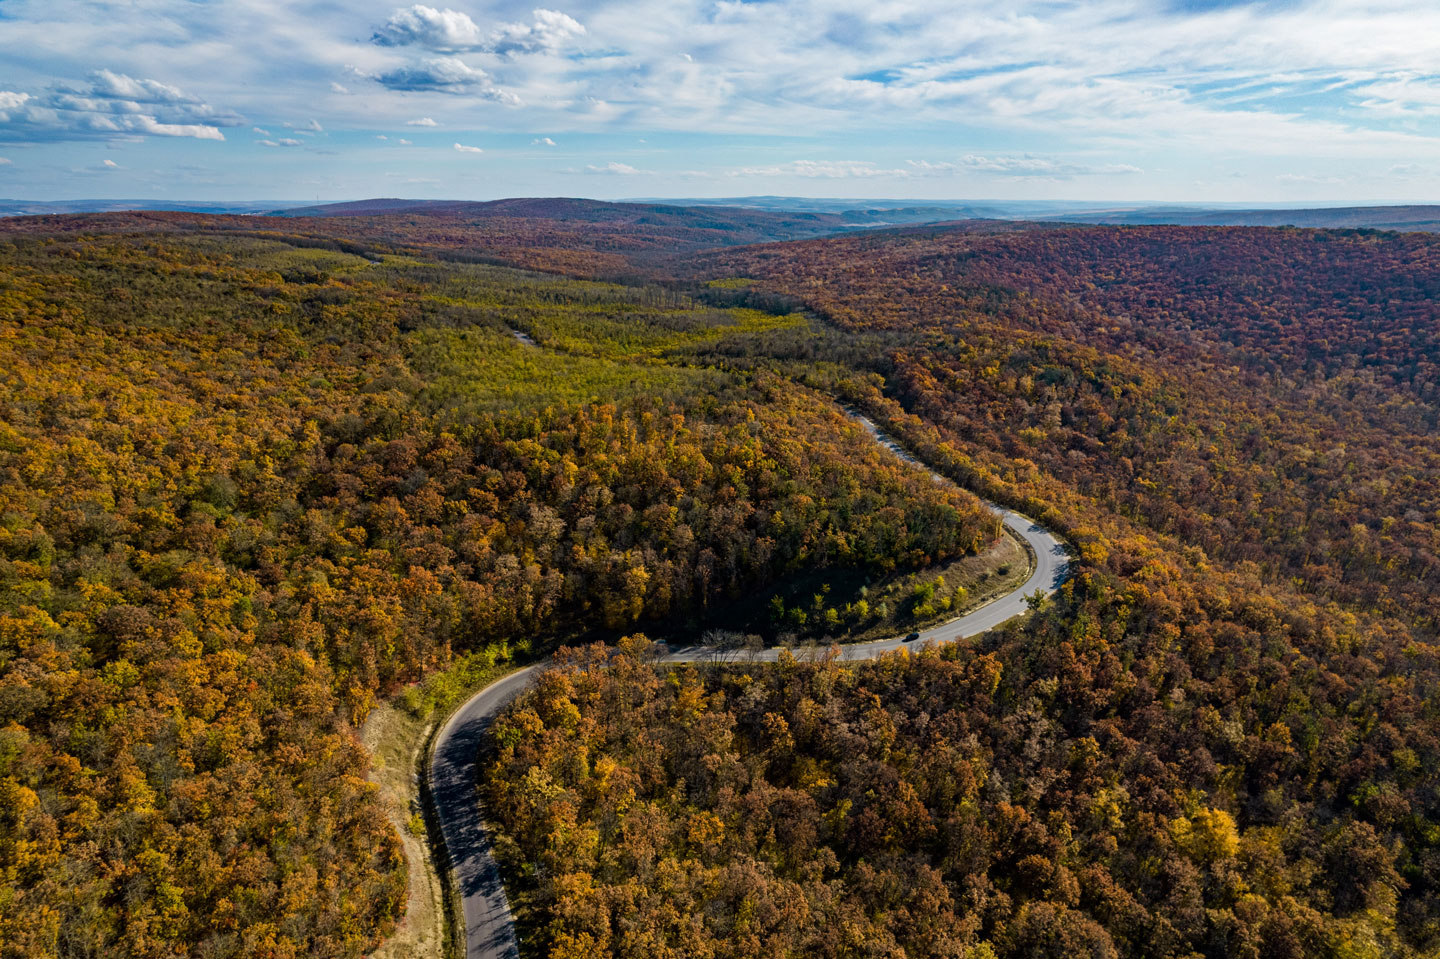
(254, 476)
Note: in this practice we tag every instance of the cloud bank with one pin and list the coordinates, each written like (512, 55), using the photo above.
(1028, 95)
(110, 105)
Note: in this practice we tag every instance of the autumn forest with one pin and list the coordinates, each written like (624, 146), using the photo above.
(260, 477)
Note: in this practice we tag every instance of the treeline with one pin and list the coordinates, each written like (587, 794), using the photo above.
(247, 487)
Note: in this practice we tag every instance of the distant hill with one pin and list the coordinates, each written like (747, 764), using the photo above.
(881, 212)
(56, 207)
(750, 224)
(1403, 218)
(643, 241)
(871, 211)
(566, 235)
(760, 219)
(757, 219)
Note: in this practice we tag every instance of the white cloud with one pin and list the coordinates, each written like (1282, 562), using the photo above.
(287, 142)
(339, 88)
(543, 142)
(421, 122)
(547, 32)
(1014, 166)
(403, 142)
(110, 106)
(381, 137)
(428, 27)
(1404, 96)
(263, 133)
(10, 101)
(5, 161)
(461, 148)
(446, 75)
(1024, 165)
(435, 73)
(453, 31)
(615, 169)
(820, 170)
(110, 164)
(118, 86)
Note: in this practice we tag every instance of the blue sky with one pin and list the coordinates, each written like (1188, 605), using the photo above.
(1169, 100)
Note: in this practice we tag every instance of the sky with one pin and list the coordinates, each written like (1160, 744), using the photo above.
(1282, 101)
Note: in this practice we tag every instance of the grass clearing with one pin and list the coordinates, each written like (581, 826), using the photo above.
(396, 740)
(483, 371)
(842, 606)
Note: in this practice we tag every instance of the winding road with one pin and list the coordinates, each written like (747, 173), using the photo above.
(489, 927)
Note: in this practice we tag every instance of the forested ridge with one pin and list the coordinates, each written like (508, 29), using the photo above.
(248, 486)
(1269, 395)
(583, 238)
(252, 479)
(1219, 739)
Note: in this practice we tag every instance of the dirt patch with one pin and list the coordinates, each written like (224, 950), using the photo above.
(395, 739)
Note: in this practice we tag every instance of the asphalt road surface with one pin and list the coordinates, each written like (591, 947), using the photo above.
(489, 927)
